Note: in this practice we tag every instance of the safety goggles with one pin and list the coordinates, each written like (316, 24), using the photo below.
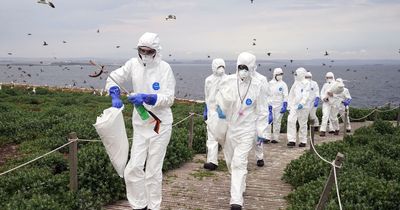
(243, 67)
(328, 77)
(280, 74)
(221, 67)
(308, 77)
(146, 51)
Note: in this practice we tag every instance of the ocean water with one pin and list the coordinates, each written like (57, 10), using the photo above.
(369, 84)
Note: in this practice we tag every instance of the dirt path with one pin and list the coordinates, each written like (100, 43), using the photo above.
(192, 187)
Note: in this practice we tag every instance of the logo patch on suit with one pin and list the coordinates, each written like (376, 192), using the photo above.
(312, 88)
(301, 90)
(280, 89)
(249, 101)
(156, 86)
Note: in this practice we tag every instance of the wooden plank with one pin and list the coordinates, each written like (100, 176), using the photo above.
(73, 162)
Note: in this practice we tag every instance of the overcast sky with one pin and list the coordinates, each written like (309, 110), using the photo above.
(347, 29)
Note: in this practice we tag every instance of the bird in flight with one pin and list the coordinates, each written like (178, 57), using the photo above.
(45, 43)
(64, 42)
(29, 34)
(269, 54)
(170, 17)
(98, 30)
(46, 2)
(326, 53)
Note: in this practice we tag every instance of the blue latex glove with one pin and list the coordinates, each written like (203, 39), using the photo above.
(150, 99)
(221, 114)
(115, 97)
(205, 112)
(347, 102)
(316, 102)
(284, 107)
(137, 99)
(300, 106)
(260, 140)
(270, 116)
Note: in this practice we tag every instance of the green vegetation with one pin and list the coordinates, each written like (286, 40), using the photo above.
(39, 123)
(368, 179)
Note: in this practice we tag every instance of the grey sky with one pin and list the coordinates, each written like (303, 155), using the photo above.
(348, 29)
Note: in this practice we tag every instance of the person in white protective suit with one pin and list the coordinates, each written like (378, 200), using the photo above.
(329, 112)
(154, 86)
(313, 99)
(211, 88)
(298, 108)
(278, 101)
(259, 142)
(241, 102)
(342, 102)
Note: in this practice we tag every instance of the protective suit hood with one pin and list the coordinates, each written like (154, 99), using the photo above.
(150, 40)
(330, 74)
(216, 63)
(277, 71)
(247, 59)
(301, 74)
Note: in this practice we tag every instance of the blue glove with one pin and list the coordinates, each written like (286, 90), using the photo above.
(300, 106)
(270, 116)
(316, 102)
(347, 102)
(284, 107)
(137, 99)
(115, 94)
(205, 113)
(260, 140)
(221, 114)
(150, 99)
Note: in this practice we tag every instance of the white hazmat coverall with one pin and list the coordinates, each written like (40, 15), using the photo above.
(247, 117)
(341, 108)
(314, 93)
(279, 95)
(211, 88)
(259, 146)
(298, 96)
(153, 76)
(329, 112)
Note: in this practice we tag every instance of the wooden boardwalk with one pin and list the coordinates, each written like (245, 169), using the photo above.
(192, 187)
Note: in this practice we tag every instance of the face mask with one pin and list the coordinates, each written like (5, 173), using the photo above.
(220, 71)
(243, 74)
(147, 58)
(278, 77)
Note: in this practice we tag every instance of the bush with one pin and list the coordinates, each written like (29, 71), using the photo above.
(369, 177)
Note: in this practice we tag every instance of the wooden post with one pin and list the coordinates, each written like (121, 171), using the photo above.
(73, 162)
(389, 105)
(376, 114)
(329, 182)
(398, 115)
(345, 123)
(191, 131)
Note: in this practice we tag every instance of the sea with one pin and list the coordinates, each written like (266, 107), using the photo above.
(370, 82)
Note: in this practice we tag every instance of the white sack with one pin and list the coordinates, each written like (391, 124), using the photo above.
(111, 128)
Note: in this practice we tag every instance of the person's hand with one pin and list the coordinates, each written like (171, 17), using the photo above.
(205, 113)
(270, 116)
(316, 102)
(347, 102)
(284, 107)
(136, 99)
(221, 114)
(115, 97)
(150, 99)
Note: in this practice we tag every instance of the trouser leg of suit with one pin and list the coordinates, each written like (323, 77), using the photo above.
(313, 115)
(342, 112)
(259, 150)
(144, 187)
(291, 125)
(236, 152)
(277, 123)
(302, 117)
(212, 148)
(269, 133)
(326, 110)
(333, 118)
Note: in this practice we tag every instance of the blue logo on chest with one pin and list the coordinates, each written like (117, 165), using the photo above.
(280, 89)
(249, 101)
(156, 86)
(312, 88)
(301, 90)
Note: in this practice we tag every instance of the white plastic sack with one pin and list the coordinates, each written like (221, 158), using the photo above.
(218, 127)
(337, 87)
(111, 128)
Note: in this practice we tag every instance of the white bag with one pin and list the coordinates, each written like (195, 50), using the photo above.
(111, 128)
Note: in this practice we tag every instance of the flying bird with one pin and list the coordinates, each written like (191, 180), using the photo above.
(291, 61)
(9, 53)
(254, 44)
(64, 42)
(98, 31)
(117, 46)
(29, 34)
(254, 39)
(45, 43)
(326, 53)
(208, 56)
(170, 17)
(269, 54)
(46, 2)
(251, 1)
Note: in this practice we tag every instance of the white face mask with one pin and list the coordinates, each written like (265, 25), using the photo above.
(220, 71)
(147, 58)
(243, 74)
(278, 77)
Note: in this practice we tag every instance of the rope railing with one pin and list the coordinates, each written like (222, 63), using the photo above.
(66, 144)
(374, 110)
